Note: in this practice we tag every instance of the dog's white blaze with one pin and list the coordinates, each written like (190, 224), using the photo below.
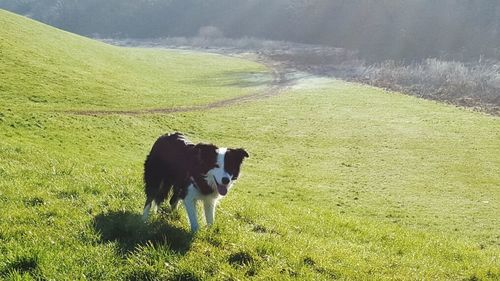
(220, 157)
(218, 172)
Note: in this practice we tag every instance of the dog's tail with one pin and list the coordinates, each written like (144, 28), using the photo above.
(156, 184)
(152, 175)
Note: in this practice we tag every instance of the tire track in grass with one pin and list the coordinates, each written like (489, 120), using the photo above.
(278, 85)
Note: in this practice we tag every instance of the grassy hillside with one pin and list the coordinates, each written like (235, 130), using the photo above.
(45, 68)
(344, 181)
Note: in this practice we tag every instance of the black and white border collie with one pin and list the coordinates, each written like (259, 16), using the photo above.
(201, 172)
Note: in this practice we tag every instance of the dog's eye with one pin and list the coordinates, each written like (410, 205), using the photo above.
(235, 178)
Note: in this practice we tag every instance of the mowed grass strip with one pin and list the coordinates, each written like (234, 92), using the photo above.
(343, 182)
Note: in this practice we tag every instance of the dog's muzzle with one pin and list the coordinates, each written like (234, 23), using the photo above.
(222, 187)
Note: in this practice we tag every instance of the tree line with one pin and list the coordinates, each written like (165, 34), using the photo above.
(381, 29)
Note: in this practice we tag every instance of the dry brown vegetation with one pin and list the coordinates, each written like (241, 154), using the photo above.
(473, 85)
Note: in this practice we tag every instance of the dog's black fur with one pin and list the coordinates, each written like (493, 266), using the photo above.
(171, 163)
(174, 162)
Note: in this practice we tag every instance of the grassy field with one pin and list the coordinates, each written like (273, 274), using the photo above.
(344, 181)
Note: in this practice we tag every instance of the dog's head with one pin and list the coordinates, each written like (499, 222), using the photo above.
(221, 166)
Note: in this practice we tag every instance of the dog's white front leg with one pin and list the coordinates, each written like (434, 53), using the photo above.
(190, 204)
(209, 207)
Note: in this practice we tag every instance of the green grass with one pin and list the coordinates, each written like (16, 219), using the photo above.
(49, 70)
(344, 181)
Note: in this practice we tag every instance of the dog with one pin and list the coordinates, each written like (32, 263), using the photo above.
(201, 172)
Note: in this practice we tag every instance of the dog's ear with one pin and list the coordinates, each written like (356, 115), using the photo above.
(205, 152)
(242, 153)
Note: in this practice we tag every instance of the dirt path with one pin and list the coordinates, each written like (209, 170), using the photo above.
(278, 85)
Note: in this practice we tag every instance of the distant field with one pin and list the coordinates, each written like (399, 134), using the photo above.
(343, 181)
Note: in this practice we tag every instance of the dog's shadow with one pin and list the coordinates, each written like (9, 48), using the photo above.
(129, 231)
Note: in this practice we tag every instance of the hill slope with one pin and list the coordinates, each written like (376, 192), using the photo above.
(43, 67)
(343, 181)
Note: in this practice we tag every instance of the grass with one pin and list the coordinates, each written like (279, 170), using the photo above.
(473, 84)
(344, 181)
(47, 69)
